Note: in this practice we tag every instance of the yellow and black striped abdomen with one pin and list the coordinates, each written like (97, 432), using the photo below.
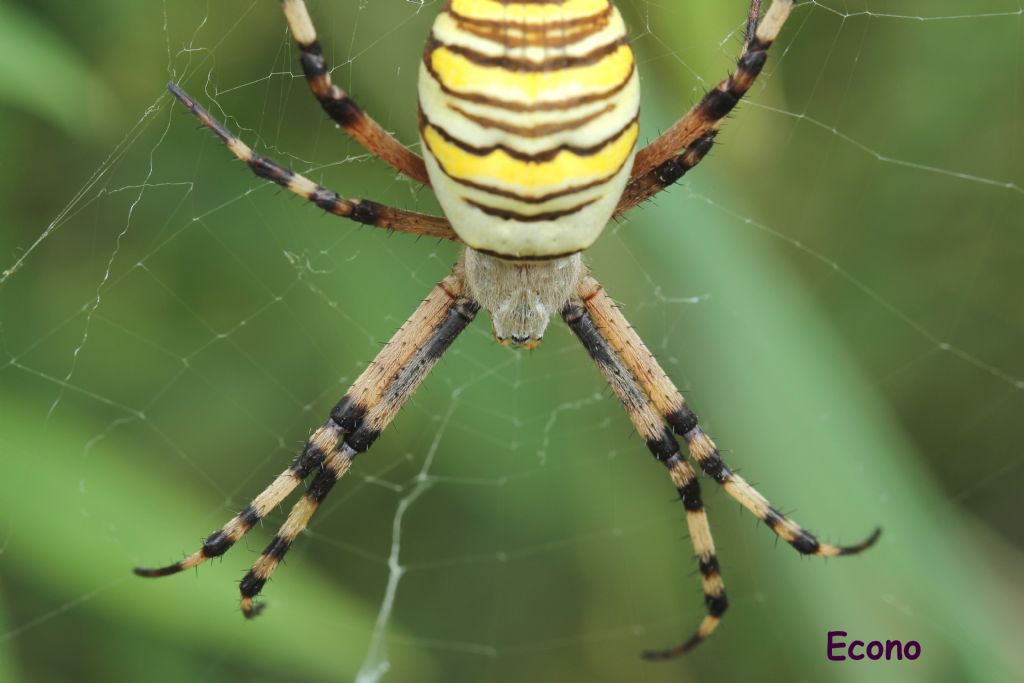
(528, 118)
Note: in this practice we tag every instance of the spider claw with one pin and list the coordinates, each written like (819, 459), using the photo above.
(193, 560)
(149, 572)
(251, 610)
(672, 653)
(707, 627)
(863, 545)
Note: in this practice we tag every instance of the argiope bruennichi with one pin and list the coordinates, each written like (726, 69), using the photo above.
(529, 125)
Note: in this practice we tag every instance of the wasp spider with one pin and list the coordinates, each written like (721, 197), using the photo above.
(528, 114)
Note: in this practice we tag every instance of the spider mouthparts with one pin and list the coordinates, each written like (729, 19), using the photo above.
(525, 343)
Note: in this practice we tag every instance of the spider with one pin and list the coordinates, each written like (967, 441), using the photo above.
(528, 118)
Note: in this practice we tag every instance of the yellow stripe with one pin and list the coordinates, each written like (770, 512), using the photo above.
(498, 167)
(492, 10)
(463, 76)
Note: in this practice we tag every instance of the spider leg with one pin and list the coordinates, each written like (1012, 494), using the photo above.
(324, 440)
(342, 108)
(359, 210)
(355, 423)
(659, 165)
(651, 426)
(753, 16)
(365, 393)
(366, 426)
(670, 403)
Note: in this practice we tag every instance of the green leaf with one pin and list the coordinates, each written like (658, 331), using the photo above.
(114, 515)
(783, 398)
(40, 73)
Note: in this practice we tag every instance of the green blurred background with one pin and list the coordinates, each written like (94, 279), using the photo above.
(837, 290)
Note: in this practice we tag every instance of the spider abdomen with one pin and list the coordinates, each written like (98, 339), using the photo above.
(528, 119)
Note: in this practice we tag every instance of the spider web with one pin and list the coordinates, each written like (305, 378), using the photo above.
(835, 290)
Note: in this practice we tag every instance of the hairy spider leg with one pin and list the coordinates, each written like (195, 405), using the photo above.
(663, 445)
(670, 403)
(658, 165)
(355, 423)
(337, 103)
(359, 210)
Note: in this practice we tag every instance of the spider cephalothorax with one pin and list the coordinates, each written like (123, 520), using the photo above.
(528, 119)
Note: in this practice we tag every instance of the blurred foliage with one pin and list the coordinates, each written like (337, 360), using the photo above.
(71, 97)
(836, 289)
